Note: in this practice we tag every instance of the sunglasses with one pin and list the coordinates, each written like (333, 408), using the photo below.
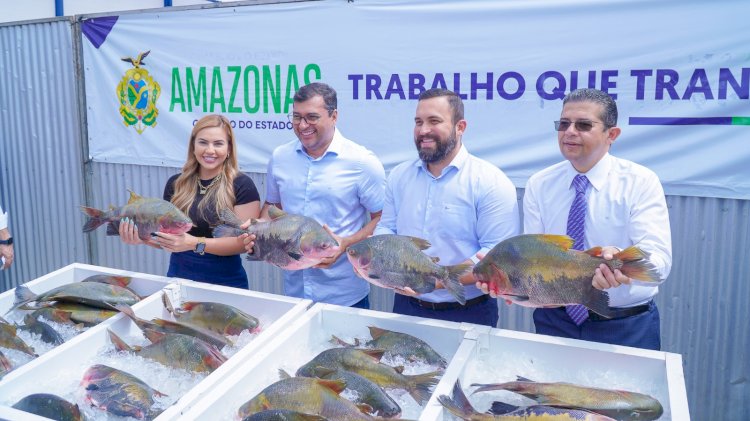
(580, 125)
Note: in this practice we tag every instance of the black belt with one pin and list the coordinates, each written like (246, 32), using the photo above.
(449, 305)
(622, 312)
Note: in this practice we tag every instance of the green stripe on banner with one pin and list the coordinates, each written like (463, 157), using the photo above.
(741, 121)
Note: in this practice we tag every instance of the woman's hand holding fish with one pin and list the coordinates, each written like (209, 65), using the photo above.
(176, 242)
(249, 241)
(604, 277)
(129, 232)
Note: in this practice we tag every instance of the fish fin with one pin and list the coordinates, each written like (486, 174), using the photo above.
(377, 332)
(485, 387)
(337, 386)
(501, 408)
(153, 335)
(230, 218)
(255, 255)
(524, 379)
(459, 404)
(134, 197)
(113, 228)
(323, 372)
(420, 385)
(225, 230)
(95, 218)
(453, 285)
(275, 213)
(61, 316)
(598, 301)
(293, 255)
(338, 341)
(23, 295)
(421, 244)
(561, 241)
(118, 342)
(283, 375)
(594, 251)
(635, 264)
(264, 402)
(517, 298)
(157, 393)
(365, 408)
(5, 362)
(376, 354)
(167, 303)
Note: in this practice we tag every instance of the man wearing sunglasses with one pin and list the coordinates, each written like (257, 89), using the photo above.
(621, 204)
(333, 180)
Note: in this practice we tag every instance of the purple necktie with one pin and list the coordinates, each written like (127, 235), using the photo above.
(576, 222)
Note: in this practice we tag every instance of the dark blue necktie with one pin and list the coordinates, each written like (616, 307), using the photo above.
(576, 222)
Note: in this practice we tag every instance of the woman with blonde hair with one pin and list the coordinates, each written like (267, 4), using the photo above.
(210, 181)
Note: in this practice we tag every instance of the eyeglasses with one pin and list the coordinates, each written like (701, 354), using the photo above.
(580, 125)
(310, 119)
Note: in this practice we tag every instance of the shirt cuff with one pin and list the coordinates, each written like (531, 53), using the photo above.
(3, 221)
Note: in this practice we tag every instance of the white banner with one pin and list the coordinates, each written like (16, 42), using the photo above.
(679, 71)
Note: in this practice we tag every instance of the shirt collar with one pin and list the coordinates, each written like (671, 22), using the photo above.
(334, 147)
(597, 175)
(458, 162)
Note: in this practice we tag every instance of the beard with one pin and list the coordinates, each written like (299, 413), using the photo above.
(443, 148)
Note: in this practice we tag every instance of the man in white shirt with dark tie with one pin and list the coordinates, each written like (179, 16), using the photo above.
(625, 205)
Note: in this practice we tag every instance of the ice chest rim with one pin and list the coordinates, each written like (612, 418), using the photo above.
(677, 392)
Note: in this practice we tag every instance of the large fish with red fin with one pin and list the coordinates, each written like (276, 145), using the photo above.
(149, 214)
(541, 270)
(287, 241)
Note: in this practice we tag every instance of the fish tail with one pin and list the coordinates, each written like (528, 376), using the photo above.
(118, 342)
(23, 295)
(225, 230)
(420, 385)
(488, 387)
(5, 362)
(458, 405)
(229, 218)
(453, 285)
(95, 219)
(635, 264)
(167, 303)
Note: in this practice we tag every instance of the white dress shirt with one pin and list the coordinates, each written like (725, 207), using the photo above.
(626, 206)
(469, 208)
(3, 219)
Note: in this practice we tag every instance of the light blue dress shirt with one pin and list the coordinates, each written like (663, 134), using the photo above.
(341, 188)
(469, 208)
(625, 206)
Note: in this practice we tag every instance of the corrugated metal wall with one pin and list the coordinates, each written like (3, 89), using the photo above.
(704, 304)
(41, 182)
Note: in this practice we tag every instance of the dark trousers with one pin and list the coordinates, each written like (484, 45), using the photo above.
(484, 313)
(640, 331)
(363, 303)
(210, 268)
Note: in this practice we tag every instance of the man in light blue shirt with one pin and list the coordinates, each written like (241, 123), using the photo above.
(459, 203)
(329, 178)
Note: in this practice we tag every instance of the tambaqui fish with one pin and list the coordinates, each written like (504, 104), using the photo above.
(119, 393)
(148, 213)
(619, 404)
(541, 270)
(397, 262)
(288, 241)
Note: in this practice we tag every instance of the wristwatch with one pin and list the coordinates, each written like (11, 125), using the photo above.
(7, 242)
(200, 248)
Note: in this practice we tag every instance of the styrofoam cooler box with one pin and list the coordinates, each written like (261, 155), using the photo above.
(61, 370)
(310, 335)
(499, 355)
(142, 284)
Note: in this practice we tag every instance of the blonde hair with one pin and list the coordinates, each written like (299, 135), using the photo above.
(186, 185)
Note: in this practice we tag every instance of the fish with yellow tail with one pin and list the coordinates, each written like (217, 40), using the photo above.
(459, 406)
(618, 404)
(541, 270)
